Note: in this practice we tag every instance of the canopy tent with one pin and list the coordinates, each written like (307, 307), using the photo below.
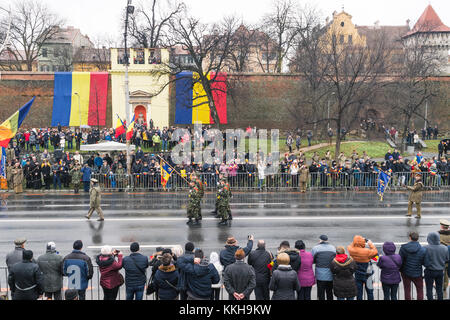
(106, 146)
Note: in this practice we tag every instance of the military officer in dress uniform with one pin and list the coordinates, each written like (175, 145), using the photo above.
(415, 196)
(95, 200)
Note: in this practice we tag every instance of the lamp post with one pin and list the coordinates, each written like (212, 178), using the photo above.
(79, 108)
(129, 10)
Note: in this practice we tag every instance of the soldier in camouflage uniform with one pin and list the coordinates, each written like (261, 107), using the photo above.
(76, 176)
(415, 196)
(201, 191)
(194, 205)
(223, 202)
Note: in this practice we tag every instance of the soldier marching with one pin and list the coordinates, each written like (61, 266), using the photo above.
(415, 196)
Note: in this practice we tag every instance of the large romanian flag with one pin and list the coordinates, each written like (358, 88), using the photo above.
(166, 172)
(120, 127)
(80, 99)
(192, 103)
(8, 129)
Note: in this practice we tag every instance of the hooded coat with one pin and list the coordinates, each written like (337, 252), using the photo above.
(362, 256)
(437, 254)
(214, 259)
(165, 281)
(413, 258)
(284, 283)
(343, 267)
(199, 277)
(294, 256)
(109, 270)
(227, 255)
(390, 264)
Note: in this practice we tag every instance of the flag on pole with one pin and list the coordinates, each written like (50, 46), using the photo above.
(130, 129)
(166, 172)
(120, 127)
(8, 129)
(383, 181)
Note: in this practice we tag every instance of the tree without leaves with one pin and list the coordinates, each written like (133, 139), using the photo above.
(149, 27)
(32, 25)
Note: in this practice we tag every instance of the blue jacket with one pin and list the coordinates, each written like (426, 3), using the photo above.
(182, 274)
(413, 258)
(227, 255)
(133, 276)
(163, 276)
(87, 171)
(78, 267)
(323, 254)
(200, 277)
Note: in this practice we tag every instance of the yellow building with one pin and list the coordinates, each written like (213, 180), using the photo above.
(342, 31)
(148, 79)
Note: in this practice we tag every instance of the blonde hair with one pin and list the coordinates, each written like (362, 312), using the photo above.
(283, 259)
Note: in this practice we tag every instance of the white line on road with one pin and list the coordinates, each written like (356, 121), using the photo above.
(282, 218)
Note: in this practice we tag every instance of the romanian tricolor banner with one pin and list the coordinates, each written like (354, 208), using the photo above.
(8, 129)
(383, 182)
(3, 163)
(80, 99)
(166, 172)
(192, 102)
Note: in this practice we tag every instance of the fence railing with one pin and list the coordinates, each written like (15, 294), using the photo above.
(95, 292)
(279, 181)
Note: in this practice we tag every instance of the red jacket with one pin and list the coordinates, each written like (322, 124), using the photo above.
(109, 270)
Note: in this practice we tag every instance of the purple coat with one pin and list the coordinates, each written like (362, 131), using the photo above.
(306, 273)
(390, 264)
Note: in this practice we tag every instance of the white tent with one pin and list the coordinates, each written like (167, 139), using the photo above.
(107, 146)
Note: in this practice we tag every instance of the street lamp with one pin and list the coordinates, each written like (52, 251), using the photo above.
(129, 10)
(79, 107)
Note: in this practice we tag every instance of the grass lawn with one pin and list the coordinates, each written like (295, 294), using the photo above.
(374, 149)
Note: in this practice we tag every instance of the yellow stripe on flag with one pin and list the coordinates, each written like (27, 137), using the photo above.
(202, 112)
(81, 84)
(8, 129)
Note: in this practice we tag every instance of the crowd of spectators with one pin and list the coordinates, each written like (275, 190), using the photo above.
(337, 271)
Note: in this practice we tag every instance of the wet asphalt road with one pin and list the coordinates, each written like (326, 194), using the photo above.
(158, 219)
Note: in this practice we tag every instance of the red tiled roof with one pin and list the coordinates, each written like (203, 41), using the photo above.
(429, 21)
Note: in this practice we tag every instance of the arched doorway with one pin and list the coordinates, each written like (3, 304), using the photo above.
(140, 114)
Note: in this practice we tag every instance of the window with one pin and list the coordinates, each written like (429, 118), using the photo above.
(334, 39)
(341, 39)
(350, 39)
(342, 23)
(44, 52)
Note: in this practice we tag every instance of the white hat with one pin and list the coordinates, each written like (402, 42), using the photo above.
(106, 250)
(51, 246)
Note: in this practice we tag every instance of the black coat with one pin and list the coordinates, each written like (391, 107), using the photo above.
(239, 277)
(227, 255)
(259, 259)
(165, 281)
(284, 283)
(344, 284)
(295, 260)
(26, 281)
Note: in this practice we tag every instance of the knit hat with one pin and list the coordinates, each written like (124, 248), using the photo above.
(106, 250)
(231, 241)
(323, 237)
(51, 246)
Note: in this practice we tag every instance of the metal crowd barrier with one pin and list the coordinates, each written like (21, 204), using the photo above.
(279, 181)
(95, 292)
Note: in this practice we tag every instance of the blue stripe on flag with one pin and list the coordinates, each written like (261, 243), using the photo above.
(183, 84)
(62, 99)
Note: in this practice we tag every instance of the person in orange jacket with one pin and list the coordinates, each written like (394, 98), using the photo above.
(362, 256)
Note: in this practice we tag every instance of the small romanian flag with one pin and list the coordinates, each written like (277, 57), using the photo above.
(166, 172)
(8, 129)
(130, 129)
(120, 127)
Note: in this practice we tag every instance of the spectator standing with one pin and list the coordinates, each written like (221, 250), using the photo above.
(188, 255)
(444, 235)
(436, 257)
(227, 256)
(362, 256)
(166, 279)
(26, 279)
(413, 258)
(16, 255)
(239, 278)
(343, 268)
(259, 259)
(305, 273)
(77, 265)
(390, 265)
(110, 277)
(323, 254)
(200, 276)
(50, 264)
(135, 266)
(294, 256)
(214, 259)
(284, 282)
(86, 178)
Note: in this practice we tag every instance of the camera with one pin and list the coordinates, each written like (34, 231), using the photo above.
(366, 240)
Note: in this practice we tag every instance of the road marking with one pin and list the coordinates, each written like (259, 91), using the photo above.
(140, 246)
(282, 218)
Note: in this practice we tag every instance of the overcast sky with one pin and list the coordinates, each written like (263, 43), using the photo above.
(98, 18)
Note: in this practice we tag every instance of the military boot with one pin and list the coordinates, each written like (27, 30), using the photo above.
(223, 222)
(196, 222)
(190, 221)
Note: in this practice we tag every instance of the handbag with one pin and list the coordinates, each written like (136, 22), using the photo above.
(122, 280)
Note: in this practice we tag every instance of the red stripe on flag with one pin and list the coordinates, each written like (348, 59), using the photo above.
(98, 98)
(219, 92)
